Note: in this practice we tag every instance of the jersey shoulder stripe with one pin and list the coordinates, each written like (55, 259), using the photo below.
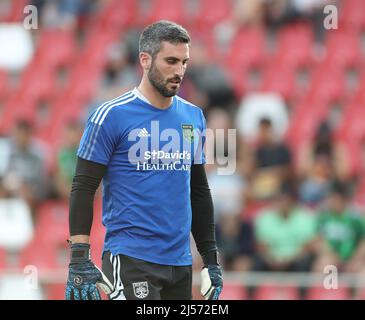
(123, 102)
(89, 146)
(99, 111)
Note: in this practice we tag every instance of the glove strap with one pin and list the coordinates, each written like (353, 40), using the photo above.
(211, 258)
(80, 252)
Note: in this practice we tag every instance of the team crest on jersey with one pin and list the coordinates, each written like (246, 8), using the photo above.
(188, 132)
(140, 289)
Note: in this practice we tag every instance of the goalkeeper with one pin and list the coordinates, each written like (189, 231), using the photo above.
(147, 148)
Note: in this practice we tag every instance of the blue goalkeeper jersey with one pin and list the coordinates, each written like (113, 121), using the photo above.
(146, 189)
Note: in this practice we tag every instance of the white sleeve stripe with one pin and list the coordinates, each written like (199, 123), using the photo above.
(87, 137)
(88, 157)
(114, 105)
(106, 104)
(88, 142)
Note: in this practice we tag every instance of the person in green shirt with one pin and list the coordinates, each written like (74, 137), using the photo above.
(284, 235)
(67, 158)
(341, 240)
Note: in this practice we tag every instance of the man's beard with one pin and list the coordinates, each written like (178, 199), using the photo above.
(160, 85)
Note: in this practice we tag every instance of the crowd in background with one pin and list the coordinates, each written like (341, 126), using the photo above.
(278, 211)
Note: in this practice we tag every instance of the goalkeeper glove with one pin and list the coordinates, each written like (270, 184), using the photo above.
(211, 281)
(84, 277)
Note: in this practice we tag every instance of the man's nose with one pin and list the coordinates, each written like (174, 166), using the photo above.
(180, 70)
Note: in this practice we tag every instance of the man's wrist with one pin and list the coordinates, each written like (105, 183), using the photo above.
(80, 252)
(79, 238)
(211, 258)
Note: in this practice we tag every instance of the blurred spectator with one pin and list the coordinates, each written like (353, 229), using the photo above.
(315, 186)
(218, 122)
(280, 12)
(234, 236)
(25, 175)
(341, 239)
(64, 14)
(120, 74)
(16, 227)
(284, 235)
(66, 159)
(272, 163)
(320, 162)
(19, 49)
(245, 13)
(256, 106)
(209, 78)
(235, 240)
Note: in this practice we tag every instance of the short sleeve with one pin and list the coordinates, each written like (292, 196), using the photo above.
(200, 134)
(98, 140)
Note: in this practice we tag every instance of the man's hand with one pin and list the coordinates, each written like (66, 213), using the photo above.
(84, 277)
(212, 282)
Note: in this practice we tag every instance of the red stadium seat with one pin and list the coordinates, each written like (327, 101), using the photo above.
(3, 83)
(117, 15)
(304, 121)
(38, 83)
(211, 12)
(233, 291)
(56, 48)
(321, 293)
(247, 49)
(277, 79)
(56, 291)
(82, 84)
(352, 126)
(327, 85)
(15, 14)
(245, 54)
(167, 10)
(2, 259)
(295, 46)
(352, 16)
(343, 49)
(42, 255)
(15, 109)
(359, 94)
(276, 292)
(52, 223)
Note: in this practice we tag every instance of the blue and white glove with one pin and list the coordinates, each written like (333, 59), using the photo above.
(211, 282)
(84, 278)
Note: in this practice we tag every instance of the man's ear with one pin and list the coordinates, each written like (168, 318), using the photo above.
(145, 60)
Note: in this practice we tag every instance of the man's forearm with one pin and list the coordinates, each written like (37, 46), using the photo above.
(85, 183)
(203, 226)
